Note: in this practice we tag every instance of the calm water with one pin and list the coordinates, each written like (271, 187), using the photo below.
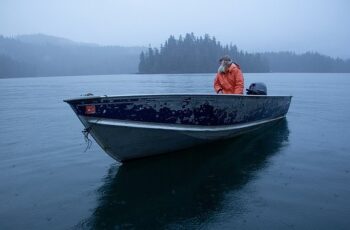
(294, 175)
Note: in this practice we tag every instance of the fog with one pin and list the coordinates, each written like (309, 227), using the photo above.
(253, 25)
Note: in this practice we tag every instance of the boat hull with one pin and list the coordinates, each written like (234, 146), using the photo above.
(130, 127)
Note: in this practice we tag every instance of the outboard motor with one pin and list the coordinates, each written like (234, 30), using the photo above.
(257, 88)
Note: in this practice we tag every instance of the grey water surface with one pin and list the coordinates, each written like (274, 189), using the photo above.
(292, 175)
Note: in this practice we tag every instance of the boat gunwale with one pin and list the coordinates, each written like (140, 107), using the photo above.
(82, 98)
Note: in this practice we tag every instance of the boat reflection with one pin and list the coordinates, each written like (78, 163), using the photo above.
(186, 187)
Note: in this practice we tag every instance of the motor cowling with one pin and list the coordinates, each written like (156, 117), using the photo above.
(257, 88)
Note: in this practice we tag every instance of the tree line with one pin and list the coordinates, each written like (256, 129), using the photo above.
(42, 55)
(191, 54)
(309, 62)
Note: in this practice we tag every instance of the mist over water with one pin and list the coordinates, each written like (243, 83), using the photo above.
(252, 25)
(291, 175)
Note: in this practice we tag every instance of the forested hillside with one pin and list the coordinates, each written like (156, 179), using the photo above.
(49, 56)
(309, 62)
(42, 55)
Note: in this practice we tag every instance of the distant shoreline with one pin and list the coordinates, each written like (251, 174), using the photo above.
(87, 75)
(47, 56)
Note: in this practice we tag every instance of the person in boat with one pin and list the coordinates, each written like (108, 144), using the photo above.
(229, 79)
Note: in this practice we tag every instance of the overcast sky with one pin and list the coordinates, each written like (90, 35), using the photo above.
(254, 25)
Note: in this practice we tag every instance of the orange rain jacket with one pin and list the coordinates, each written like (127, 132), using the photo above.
(230, 82)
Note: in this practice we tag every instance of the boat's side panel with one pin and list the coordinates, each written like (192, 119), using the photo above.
(125, 142)
(205, 110)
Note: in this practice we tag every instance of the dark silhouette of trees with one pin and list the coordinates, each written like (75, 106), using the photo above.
(190, 54)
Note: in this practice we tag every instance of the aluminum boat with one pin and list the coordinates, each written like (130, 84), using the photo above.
(136, 126)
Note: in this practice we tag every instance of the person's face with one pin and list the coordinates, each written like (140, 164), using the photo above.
(223, 66)
(225, 63)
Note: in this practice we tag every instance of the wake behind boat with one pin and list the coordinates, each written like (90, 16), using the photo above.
(130, 127)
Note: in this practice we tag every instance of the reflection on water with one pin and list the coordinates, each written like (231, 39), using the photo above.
(186, 187)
